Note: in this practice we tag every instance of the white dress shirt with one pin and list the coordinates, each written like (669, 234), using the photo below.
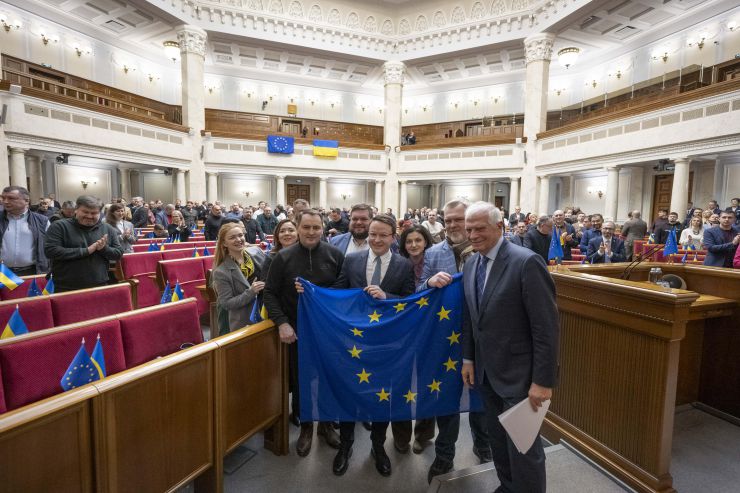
(354, 246)
(385, 261)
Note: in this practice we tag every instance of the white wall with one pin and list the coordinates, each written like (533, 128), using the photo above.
(589, 203)
(357, 191)
(69, 186)
(233, 188)
(157, 186)
(472, 192)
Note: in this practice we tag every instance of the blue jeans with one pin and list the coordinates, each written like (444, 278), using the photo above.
(449, 428)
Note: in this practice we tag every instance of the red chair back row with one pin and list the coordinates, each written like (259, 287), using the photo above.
(22, 290)
(144, 247)
(190, 273)
(45, 312)
(32, 365)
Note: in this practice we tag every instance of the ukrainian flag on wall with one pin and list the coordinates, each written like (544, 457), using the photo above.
(326, 148)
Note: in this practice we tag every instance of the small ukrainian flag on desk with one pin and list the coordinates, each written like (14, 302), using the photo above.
(8, 279)
(325, 148)
(15, 326)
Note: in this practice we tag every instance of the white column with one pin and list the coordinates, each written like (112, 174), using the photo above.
(125, 181)
(393, 75)
(212, 187)
(612, 193)
(538, 50)
(180, 186)
(33, 165)
(544, 204)
(322, 193)
(680, 191)
(718, 182)
(379, 195)
(192, 41)
(437, 196)
(280, 190)
(403, 200)
(4, 163)
(513, 193)
(18, 167)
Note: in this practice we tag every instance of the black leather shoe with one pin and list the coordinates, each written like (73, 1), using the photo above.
(401, 448)
(341, 460)
(294, 420)
(303, 446)
(382, 462)
(484, 455)
(327, 432)
(438, 468)
(367, 426)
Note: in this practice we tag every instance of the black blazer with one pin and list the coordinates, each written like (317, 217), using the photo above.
(398, 281)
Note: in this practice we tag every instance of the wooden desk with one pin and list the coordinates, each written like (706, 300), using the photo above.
(630, 351)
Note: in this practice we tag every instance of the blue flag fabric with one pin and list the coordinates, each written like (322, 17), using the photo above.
(8, 279)
(556, 248)
(49, 288)
(33, 289)
(671, 245)
(166, 295)
(362, 359)
(80, 372)
(15, 326)
(280, 144)
(98, 358)
(153, 247)
(206, 252)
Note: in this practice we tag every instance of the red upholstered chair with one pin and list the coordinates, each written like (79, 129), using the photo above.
(33, 365)
(159, 331)
(3, 408)
(86, 304)
(207, 263)
(190, 274)
(22, 290)
(176, 254)
(36, 312)
(141, 266)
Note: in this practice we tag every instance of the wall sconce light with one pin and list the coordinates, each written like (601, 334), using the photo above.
(50, 38)
(595, 191)
(732, 25)
(88, 181)
(346, 195)
(127, 69)
(171, 50)
(558, 92)
(16, 24)
(380, 110)
(80, 50)
(700, 42)
(660, 56)
(593, 83)
(424, 108)
(363, 108)
(247, 193)
(264, 105)
(152, 77)
(312, 101)
(475, 102)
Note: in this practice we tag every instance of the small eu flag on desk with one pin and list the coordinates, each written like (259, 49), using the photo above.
(279, 144)
(362, 359)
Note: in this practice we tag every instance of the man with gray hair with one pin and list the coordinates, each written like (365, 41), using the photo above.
(441, 262)
(509, 339)
(140, 216)
(538, 239)
(164, 217)
(81, 248)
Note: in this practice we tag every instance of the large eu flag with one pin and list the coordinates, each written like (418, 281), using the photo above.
(362, 359)
(279, 144)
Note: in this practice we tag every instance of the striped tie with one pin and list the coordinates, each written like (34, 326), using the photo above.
(480, 278)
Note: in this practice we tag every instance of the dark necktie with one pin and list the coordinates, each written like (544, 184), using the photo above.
(375, 281)
(480, 278)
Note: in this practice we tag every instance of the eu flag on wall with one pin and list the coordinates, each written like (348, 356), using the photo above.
(280, 144)
(362, 359)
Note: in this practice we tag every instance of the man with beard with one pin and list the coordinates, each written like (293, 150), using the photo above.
(189, 215)
(440, 263)
(594, 232)
(213, 223)
(355, 240)
(565, 231)
(253, 231)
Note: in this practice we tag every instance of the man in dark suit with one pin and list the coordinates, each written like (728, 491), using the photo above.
(566, 232)
(538, 239)
(517, 236)
(721, 241)
(253, 231)
(608, 248)
(594, 232)
(517, 217)
(510, 339)
(382, 274)
(140, 215)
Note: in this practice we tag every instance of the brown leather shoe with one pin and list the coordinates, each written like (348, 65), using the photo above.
(303, 446)
(326, 430)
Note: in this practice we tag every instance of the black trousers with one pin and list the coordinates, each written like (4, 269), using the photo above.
(24, 271)
(423, 430)
(347, 433)
(518, 473)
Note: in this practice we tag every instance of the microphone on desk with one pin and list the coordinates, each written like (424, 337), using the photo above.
(640, 259)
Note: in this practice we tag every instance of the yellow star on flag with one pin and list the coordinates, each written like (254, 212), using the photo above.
(357, 332)
(355, 352)
(383, 395)
(423, 301)
(375, 316)
(364, 376)
(444, 314)
(454, 338)
(410, 396)
(434, 386)
(450, 364)
(399, 306)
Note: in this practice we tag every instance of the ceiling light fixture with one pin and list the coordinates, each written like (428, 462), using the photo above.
(568, 56)
(172, 50)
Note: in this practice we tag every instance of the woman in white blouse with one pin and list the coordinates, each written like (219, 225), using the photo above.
(693, 235)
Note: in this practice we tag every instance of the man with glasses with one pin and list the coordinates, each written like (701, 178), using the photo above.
(608, 248)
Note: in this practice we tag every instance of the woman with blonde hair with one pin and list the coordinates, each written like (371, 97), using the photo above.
(236, 270)
(177, 230)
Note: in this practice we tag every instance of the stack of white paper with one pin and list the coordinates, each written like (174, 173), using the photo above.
(522, 424)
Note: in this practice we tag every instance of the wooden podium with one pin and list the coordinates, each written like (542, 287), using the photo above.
(630, 351)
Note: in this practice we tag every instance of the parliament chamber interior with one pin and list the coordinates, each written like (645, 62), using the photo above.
(567, 116)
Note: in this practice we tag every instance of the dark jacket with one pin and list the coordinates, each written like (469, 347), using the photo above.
(538, 243)
(183, 233)
(662, 235)
(253, 231)
(190, 216)
(720, 249)
(567, 245)
(37, 224)
(233, 289)
(211, 227)
(320, 266)
(398, 281)
(267, 224)
(140, 217)
(71, 264)
(617, 246)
